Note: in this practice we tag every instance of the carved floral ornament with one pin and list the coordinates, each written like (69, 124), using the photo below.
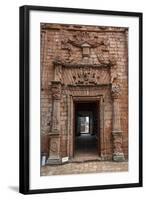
(115, 90)
(85, 78)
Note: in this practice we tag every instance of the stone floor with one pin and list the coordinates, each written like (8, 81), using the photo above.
(86, 148)
(85, 167)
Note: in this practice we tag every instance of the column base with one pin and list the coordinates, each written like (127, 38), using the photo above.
(118, 157)
(54, 161)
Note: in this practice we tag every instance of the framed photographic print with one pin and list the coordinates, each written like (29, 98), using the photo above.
(80, 99)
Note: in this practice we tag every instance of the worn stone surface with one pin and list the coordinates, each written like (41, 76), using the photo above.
(86, 167)
(84, 62)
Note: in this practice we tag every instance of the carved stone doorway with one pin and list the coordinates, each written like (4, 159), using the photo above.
(86, 130)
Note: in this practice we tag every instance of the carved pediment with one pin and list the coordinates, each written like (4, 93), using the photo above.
(80, 38)
(93, 48)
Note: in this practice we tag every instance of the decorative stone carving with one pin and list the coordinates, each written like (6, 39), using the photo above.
(118, 154)
(56, 90)
(65, 45)
(56, 95)
(55, 124)
(117, 142)
(115, 90)
(54, 156)
(74, 64)
(82, 37)
(112, 60)
(84, 41)
(86, 49)
(53, 147)
(85, 78)
(114, 75)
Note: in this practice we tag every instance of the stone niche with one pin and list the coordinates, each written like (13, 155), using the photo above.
(84, 63)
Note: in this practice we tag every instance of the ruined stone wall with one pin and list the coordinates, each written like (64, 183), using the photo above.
(108, 46)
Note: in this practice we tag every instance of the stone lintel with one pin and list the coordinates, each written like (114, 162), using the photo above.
(79, 65)
(89, 85)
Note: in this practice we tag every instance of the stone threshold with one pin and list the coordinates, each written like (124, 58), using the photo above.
(85, 160)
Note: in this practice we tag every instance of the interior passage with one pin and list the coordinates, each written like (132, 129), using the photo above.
(86, 131)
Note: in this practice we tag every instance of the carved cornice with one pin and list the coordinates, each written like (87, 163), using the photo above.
(80, 65)
(66, 27)
(89, 85)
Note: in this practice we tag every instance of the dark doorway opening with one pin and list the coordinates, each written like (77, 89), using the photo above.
(86, 130)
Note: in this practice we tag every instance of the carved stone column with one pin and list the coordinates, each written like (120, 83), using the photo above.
(54, 147)
(118, 154)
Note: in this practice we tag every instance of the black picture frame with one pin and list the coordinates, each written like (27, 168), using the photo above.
(25, 105)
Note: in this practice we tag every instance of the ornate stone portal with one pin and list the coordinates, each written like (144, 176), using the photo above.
(85, 68)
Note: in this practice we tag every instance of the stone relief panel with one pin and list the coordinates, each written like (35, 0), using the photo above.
(54, 147)
(92, 49)
(85, 76)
